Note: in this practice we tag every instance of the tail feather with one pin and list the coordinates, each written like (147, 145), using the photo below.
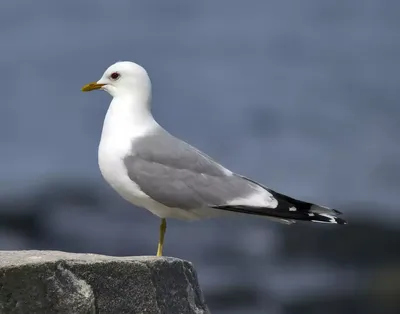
(290, 209)
(286, 215)
(315, 213)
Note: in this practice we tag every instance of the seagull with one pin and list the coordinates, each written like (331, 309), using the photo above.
(152, 169)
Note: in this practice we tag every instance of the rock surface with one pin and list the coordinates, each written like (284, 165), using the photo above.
(58, 282)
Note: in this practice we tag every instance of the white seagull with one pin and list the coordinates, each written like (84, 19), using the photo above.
(152, 169)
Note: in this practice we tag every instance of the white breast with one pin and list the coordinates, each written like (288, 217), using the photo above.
(111, 164)
(120, 129)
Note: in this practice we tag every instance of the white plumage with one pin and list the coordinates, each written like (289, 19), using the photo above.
(152, 169)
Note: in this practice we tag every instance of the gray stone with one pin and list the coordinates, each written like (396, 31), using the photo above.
(57, 282)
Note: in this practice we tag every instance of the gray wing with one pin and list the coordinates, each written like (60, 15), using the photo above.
(177, 175)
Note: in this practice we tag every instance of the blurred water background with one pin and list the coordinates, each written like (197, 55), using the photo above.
(300, 95)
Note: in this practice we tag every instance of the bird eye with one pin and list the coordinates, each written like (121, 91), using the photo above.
(115, 75)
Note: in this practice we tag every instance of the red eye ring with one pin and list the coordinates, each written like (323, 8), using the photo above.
(115, 75)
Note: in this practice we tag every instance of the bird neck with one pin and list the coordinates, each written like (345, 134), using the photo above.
(128, 116)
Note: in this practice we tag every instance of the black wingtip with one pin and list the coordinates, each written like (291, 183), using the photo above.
(340, 221)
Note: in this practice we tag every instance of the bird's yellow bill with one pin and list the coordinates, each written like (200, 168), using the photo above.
(91, 86)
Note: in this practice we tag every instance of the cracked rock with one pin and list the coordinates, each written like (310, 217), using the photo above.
(57, 282)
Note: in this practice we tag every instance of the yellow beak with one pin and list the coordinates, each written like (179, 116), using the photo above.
(92, 86)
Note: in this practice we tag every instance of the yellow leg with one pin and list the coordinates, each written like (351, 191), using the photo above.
(163, 228)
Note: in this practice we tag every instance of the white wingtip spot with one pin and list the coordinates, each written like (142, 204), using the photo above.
(292, 209)
(331, 219)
